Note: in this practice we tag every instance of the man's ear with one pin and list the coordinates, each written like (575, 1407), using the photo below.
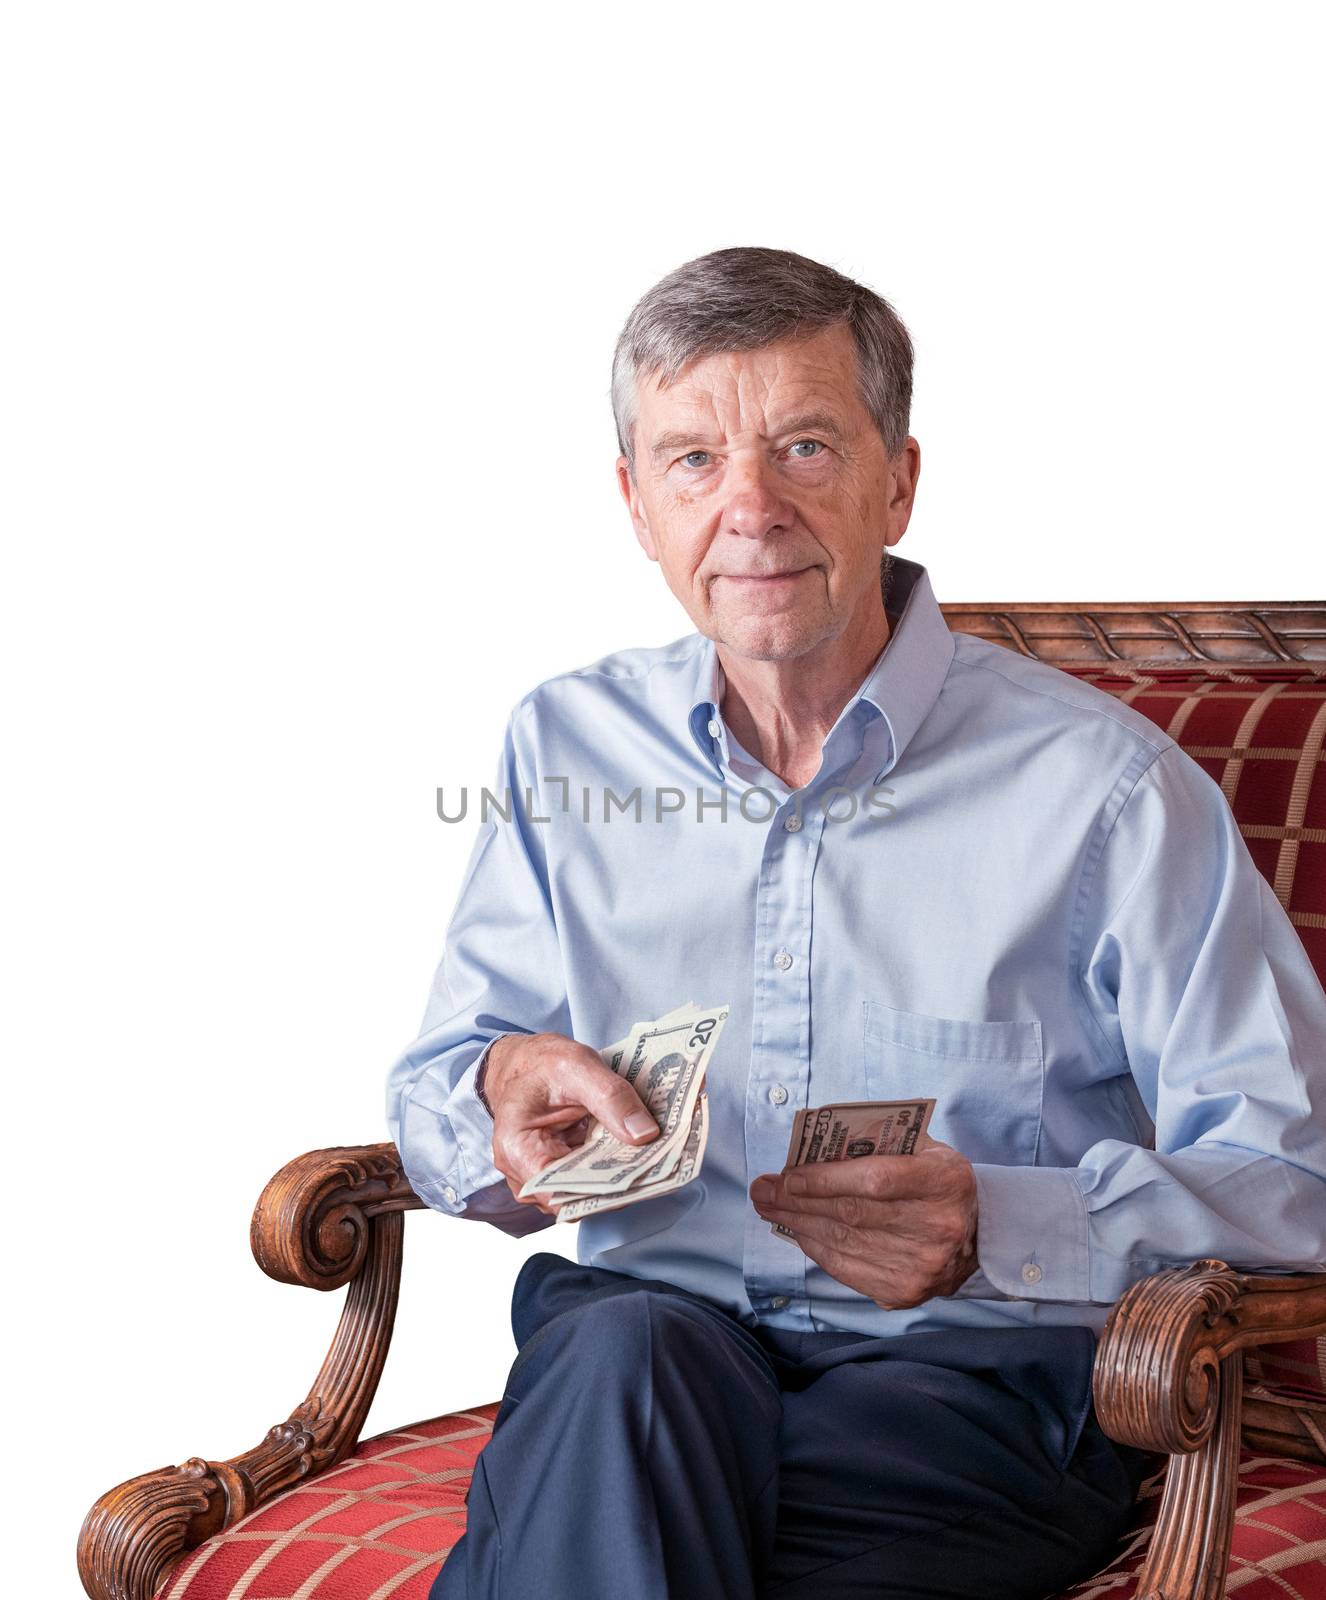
(906, 471)
(635, 506)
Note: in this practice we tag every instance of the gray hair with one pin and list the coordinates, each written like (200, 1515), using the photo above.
(744, 298)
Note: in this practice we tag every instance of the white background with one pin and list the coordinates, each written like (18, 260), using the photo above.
(309, 477)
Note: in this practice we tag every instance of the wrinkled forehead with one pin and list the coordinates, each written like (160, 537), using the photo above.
(735, 391)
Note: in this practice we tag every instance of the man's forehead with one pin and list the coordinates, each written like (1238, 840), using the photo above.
(755, 388)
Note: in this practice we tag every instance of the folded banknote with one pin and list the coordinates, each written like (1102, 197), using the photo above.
(855, 1128)
(664, 1061)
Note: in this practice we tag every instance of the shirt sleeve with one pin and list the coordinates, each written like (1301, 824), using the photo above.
(1195, 982)
(501, 972)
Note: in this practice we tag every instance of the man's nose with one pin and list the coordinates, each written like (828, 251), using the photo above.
(754, 507)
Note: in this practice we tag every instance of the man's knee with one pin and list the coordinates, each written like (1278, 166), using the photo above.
(647, 1338)
(617, 1331)
(600, 1356)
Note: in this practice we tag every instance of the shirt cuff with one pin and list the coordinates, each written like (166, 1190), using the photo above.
(472, 1126)
(1031, 1232)
(976, 1286)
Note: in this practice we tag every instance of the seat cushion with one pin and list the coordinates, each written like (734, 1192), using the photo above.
(1279, 1547)
(379, 1527)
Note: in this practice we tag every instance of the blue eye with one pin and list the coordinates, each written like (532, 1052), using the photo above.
(691, 453)
(800, 442)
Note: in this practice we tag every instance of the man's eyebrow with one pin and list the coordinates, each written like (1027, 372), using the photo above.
(813, 422)
(806, 422)
(667, 442)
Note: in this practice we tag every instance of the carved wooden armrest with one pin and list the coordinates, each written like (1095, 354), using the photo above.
(326, 1219)
(1169, 1378)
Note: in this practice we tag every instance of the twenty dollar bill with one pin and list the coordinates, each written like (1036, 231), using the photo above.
(665, 1062)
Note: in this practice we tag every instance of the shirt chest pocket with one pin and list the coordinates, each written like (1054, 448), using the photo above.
(985, 1078)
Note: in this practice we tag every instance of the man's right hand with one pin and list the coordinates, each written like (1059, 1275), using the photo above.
(544, 1088)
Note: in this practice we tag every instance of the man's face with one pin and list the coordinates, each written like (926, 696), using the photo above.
(766, 462)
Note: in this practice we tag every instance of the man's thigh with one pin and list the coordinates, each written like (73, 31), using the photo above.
(635, 1451)
(951, 1464)
(954, 1464)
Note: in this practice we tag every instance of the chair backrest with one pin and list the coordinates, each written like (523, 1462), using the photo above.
(1242, 688)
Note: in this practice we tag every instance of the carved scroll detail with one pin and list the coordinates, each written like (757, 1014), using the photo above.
(1189, 1554)
(1157, 1376)
(310, 1225)
(1169, 1378)
(326, 1218)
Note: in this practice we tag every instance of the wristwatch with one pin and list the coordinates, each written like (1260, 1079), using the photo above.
(478, 1081)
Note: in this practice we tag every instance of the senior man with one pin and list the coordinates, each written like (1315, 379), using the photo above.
(913, 864)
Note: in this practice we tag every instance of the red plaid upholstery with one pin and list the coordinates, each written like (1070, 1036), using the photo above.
(1279, 1546)
(381, 1523)
(378, 1525)
(1295, 1368)
(1259, 732)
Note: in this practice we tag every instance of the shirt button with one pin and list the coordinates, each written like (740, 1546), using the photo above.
(450, 1195)
(792, 825)
(778, 1302)
(1031, 1273)
(782, 960)
(714, 729)
(778, 1094)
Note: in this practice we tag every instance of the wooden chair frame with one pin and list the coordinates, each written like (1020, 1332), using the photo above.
(1169, 1368)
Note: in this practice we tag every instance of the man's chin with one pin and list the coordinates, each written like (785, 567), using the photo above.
(777, 637)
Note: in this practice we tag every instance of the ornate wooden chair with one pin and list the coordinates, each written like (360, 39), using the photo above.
(1222, 1375)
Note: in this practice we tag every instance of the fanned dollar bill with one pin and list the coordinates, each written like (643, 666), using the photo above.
(665, 1062)
(855, 1128)
(688, 1167)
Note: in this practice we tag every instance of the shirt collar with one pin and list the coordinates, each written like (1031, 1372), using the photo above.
(902, 686)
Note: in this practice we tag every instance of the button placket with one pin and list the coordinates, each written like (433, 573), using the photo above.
(775, 1275)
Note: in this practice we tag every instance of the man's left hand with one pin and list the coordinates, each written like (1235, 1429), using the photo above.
(900, 1229)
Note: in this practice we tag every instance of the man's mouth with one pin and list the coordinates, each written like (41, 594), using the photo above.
(758, 578)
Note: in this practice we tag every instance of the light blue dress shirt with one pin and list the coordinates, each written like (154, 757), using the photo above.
(1042, 914)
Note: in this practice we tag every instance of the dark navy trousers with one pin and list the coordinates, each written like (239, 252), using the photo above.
(650, 1447)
